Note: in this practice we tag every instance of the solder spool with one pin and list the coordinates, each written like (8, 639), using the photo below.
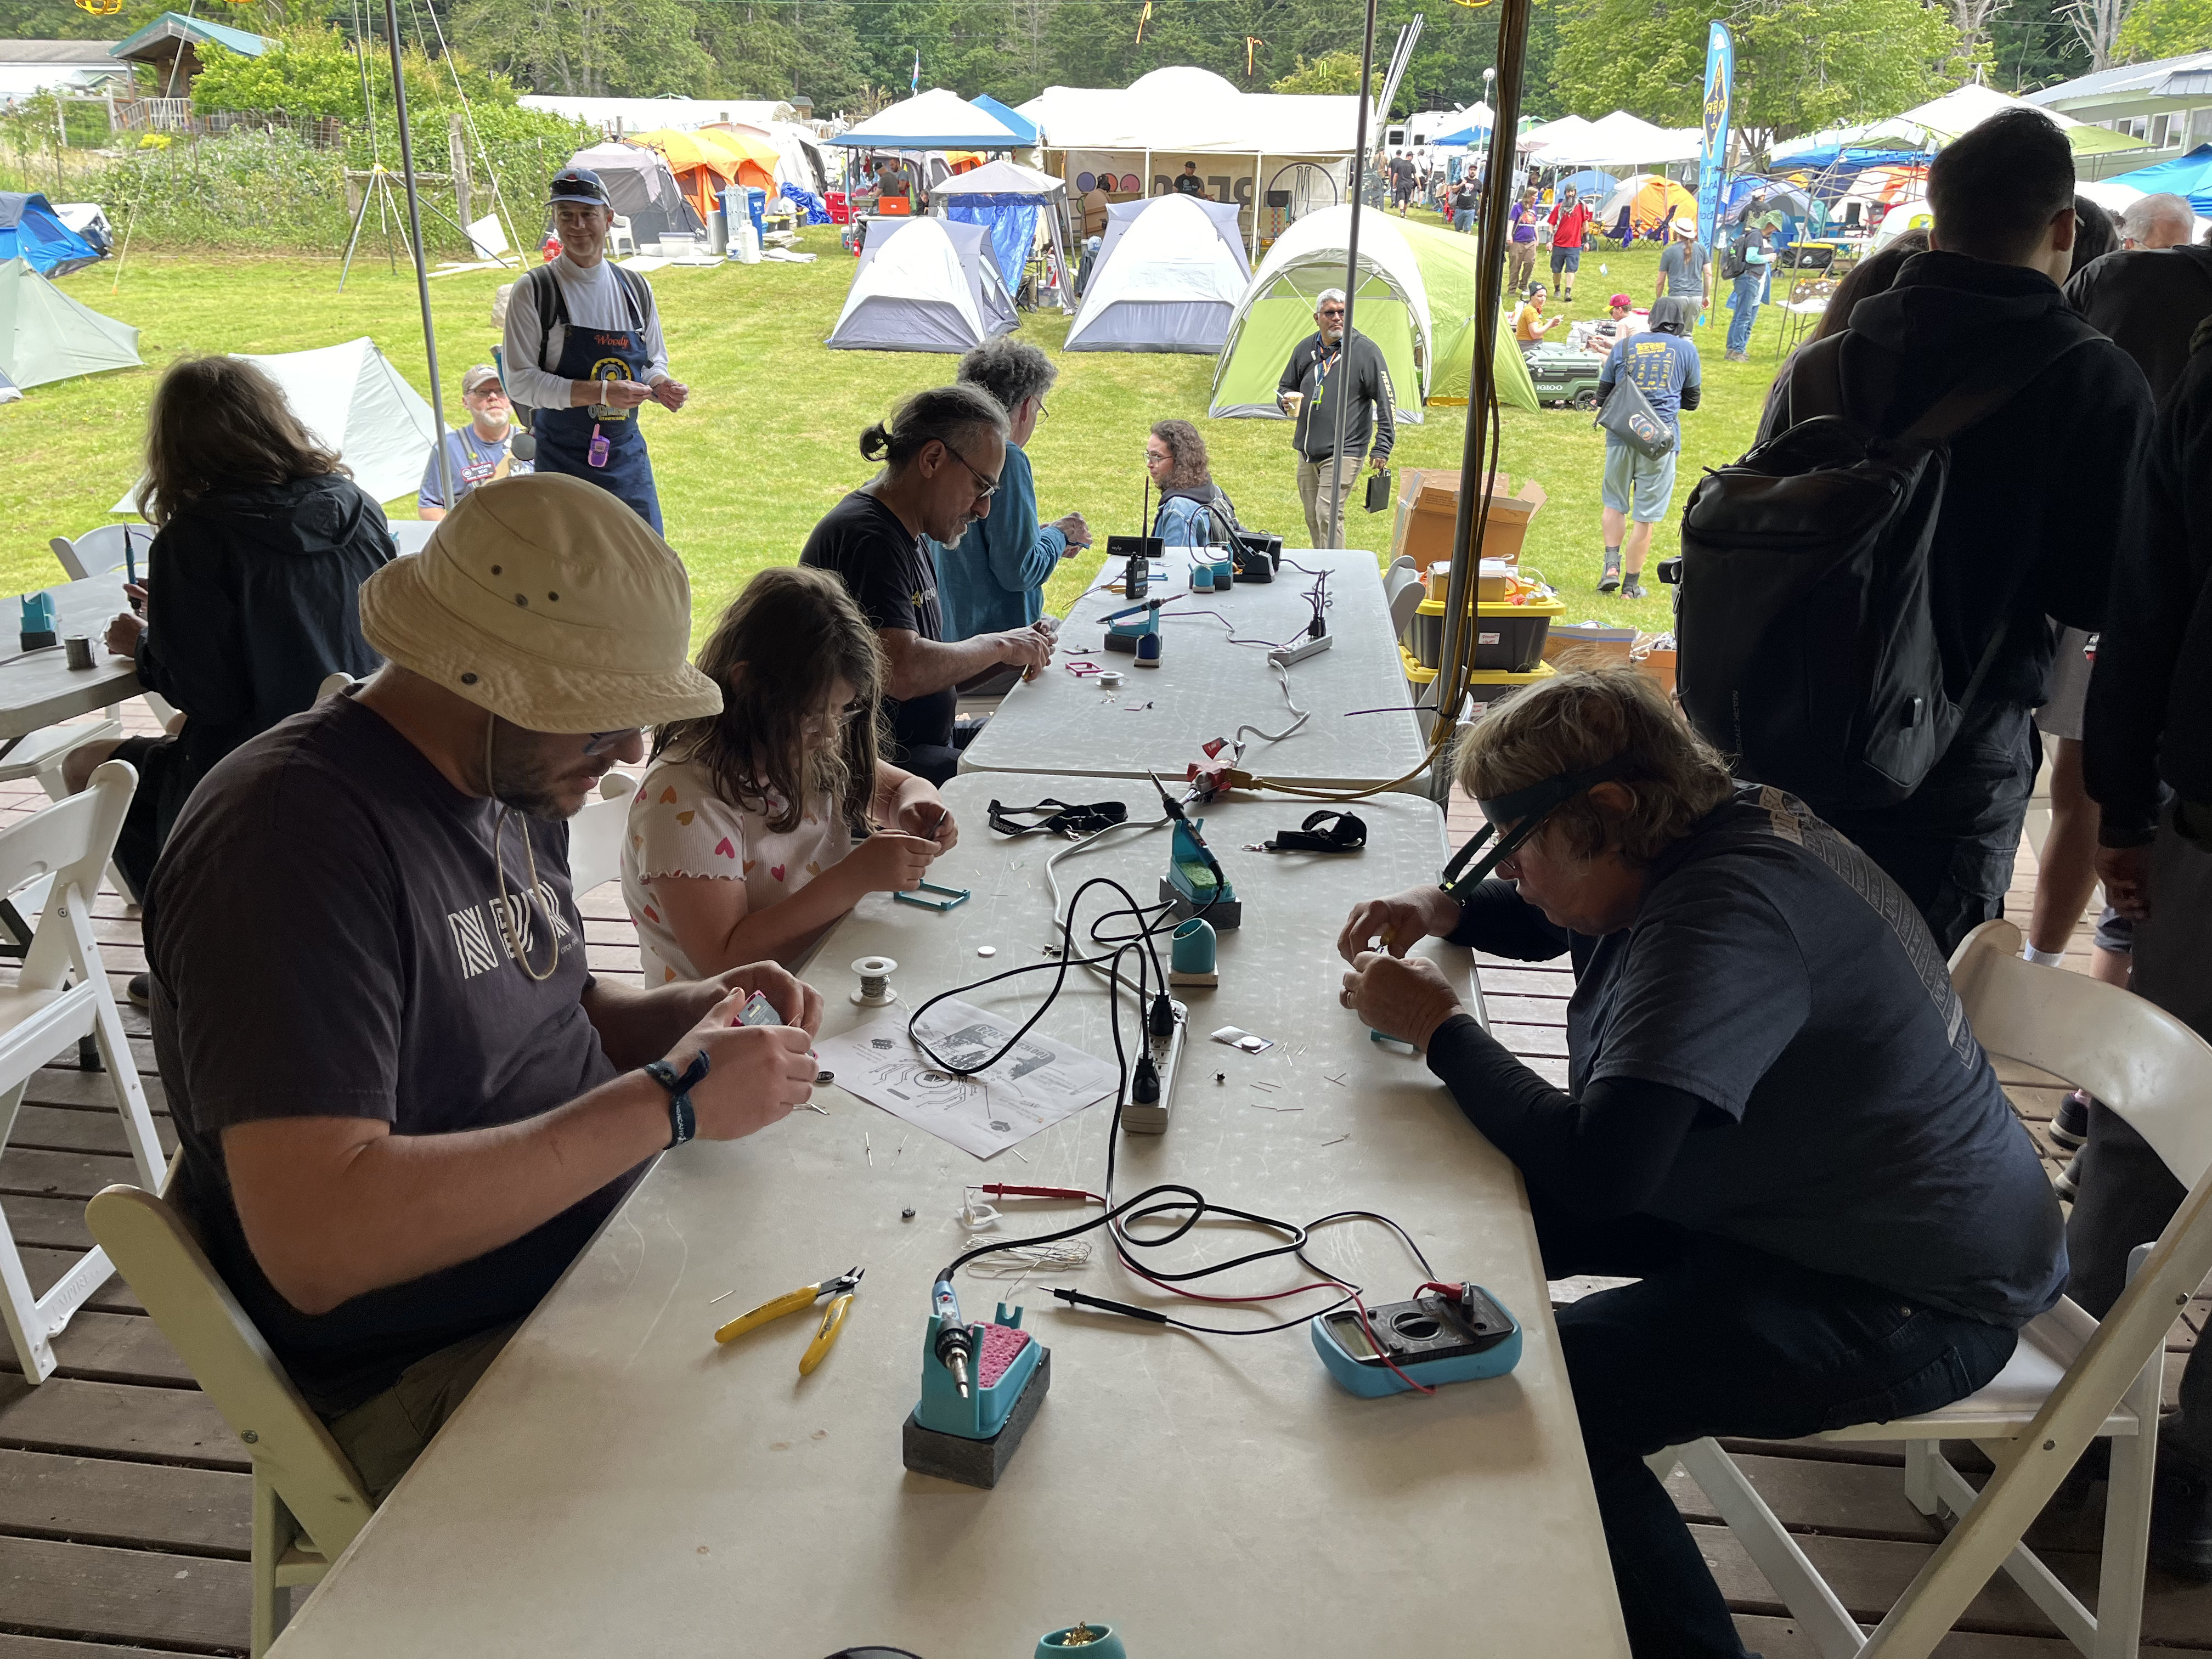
(875, 974)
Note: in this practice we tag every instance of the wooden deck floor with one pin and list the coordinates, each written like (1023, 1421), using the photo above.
(123, 1504)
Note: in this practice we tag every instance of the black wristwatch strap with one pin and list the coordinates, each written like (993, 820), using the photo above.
(683, 1123)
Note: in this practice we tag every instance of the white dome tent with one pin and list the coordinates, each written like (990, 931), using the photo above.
(1169, 276)
(923, 285)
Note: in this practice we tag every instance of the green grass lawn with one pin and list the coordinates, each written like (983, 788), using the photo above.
(769, 440)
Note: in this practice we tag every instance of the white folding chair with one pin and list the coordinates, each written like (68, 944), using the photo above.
(60, 995)
(619, 241)
(2071, 1381)
(102, 550)
(595, 834)
(309, 1500)
(1403, 592)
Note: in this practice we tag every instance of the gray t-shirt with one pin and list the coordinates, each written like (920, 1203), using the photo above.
(1858, 1129)
(1683, 265)
(323, 941)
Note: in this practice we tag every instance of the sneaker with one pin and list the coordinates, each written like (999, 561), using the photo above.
(1631, 586)
(1738, 357)
(2071, 1127)
(2181, 1525)
(2067, 1185)
(140, 990)
(1611, 580)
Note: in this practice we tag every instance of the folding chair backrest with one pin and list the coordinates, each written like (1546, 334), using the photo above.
(154, 1251)
(595, 834)
(70, 841)
(332, 685)
(1403, 592)
(2133, 1056)
(102, 550)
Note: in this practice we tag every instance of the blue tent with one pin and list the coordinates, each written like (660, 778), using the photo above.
(1006, 198)
(1476, 135)
(30, 229)
(1591, 182)
(1015, 123)
(2189, 175)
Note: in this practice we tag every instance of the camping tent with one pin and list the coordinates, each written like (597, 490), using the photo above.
(31, 229)
(1592, 184)
(1169, 273)
(936, 119)
(643, 189)
(704, 162)
(1911, 214)
(45, 335)
(1006, 200)
(923, 285)
(2189, 175)
(1416, 300)
(8, 392)
(1648, 199)
(352, 400)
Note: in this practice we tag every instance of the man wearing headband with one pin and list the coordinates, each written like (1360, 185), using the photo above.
(1775, 1119)
(583, 352)
(404, 1100)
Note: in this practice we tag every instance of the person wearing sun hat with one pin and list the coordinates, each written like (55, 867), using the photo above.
(583, 352)
(404, 1101)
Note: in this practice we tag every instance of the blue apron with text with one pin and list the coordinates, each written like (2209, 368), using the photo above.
(564, 435)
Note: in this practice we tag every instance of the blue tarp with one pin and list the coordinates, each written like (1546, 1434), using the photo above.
(808, 203)
(2189, 175)
(1011, 222)
(30, 227)
(1020, 125)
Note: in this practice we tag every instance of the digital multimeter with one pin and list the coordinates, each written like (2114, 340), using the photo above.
(1434, 1339)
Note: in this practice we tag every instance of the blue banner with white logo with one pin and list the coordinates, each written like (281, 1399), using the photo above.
(1712, 162)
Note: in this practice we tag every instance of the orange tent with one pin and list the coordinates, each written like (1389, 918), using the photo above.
(703, 162)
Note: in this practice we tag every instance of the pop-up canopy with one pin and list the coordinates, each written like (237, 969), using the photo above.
(1009, 201)
(936, 119)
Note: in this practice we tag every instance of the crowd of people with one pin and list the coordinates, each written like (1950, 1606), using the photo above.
(1774, 1122)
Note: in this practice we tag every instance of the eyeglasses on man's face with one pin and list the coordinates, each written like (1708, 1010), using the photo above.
(985, 488)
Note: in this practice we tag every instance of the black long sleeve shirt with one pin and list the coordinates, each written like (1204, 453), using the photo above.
(1323, 373)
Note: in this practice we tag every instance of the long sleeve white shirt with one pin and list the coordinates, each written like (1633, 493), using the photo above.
(595, 299)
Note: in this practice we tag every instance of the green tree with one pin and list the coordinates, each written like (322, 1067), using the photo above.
(587, 48)
(2164, 28)
(1334, 73)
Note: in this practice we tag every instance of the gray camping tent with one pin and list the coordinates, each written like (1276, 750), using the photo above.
(643, 189)
(1168, 278)
(923, 285)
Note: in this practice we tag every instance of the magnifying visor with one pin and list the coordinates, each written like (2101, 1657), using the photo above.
(1531, 806)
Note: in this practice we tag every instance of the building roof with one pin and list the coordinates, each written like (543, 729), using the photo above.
(90, 53)
(2158, 78)
(174, 26)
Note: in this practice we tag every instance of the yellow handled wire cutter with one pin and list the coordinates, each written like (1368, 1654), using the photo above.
(838, 1290)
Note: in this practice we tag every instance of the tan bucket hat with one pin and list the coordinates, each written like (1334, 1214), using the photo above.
(546, 600)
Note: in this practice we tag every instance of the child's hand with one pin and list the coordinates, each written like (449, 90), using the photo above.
(928, 818)
(889, 862)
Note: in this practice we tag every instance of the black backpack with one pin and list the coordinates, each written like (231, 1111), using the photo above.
(1807, 646)
(1733, 264)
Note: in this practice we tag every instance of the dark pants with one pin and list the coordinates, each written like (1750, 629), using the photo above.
(1950, 847)
(1719, 1339)
(2127, 1195)
(938, 761)
(162, 787)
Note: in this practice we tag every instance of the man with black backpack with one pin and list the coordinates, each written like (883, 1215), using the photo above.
(1862, 595)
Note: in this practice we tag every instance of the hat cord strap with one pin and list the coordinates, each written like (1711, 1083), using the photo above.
(499, 869)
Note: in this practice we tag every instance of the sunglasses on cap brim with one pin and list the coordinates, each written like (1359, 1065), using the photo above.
(1527, 808)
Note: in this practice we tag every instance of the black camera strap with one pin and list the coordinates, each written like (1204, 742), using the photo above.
(1344, 833)
(1059, 817)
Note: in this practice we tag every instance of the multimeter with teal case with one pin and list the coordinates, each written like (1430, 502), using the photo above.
(1446, 1333)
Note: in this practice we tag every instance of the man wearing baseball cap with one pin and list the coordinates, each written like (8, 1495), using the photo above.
(404, 1101)
(480, 452)
(583, 352)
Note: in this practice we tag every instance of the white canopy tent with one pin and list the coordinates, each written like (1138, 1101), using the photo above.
(353, 401)
(1023, 209)
(1545, 136)
(1169, 274)
(936, 119)
(1620, 140)
(923, 285)
(1942, 119)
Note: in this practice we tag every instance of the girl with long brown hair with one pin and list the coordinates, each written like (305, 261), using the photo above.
(756, 827)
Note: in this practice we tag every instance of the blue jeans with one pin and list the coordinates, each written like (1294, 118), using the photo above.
(1718, 1339)
(1463, 220)
(1746, 308)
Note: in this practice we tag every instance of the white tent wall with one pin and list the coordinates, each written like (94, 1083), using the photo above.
(925, 285)
(1168, 278)
(352, 400)
(1317, 180)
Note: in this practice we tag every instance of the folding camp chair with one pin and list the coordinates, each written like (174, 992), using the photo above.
(2072, 1379)
(1622, 233)
(595, 834)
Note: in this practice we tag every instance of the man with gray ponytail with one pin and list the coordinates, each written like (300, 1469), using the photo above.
(943, 451)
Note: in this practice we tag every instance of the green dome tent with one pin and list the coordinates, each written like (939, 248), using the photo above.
(46, 336)
(1416, 300)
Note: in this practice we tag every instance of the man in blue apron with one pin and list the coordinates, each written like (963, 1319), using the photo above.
(583, 352)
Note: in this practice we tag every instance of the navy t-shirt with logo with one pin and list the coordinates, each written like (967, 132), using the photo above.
(893, 579)
(474, 461)
(324, 943)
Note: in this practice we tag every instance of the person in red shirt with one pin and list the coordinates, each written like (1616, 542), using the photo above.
(1571, 219)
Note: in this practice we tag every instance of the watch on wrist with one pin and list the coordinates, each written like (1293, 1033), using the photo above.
(682, 1123)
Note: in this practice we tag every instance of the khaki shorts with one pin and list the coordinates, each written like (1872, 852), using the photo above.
(386, 1433)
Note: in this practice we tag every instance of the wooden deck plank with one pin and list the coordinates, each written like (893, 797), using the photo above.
(53, 1224)
(106, 1347)
(61, 1175)
(43, 1267)
(130, 1595)
(52, 1647)
(116, 1419)
(1779, 1638)
(66, 1085)
(91, 1500)
(73, 1129)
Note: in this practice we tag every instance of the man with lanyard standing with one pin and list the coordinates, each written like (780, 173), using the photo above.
(583, 351)
(1570, 223)
(479, 451)
(1315, 374)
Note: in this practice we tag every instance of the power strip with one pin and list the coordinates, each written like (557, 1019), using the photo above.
(1301, 651)
(1167, 1056)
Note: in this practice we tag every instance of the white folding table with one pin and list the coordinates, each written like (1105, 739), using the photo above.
(1206, 687)
(38, 689)
(618, 1484)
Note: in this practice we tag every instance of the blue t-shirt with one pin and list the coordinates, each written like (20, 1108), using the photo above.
(1660, 365)
(474, 462)
(1857, 1128)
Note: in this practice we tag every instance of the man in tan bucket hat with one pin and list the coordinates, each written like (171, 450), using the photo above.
(404, 1101)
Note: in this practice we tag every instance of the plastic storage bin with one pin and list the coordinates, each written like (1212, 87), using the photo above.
(1508, 638)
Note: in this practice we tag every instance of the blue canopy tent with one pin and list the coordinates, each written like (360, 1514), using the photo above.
(1015, 123)
(1005, 199)
(31, 229)
(2189, 175)
(936, 119)
(1479, 134)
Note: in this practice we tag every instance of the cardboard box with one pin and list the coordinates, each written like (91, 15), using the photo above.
(1428, 511)
(1587, 642)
